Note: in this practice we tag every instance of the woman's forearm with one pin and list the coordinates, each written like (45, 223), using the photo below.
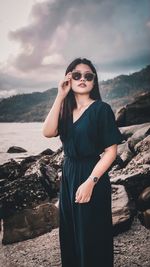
(50, 124)
(105, 162)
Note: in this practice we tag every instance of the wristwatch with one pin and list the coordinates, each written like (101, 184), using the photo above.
(94, 179)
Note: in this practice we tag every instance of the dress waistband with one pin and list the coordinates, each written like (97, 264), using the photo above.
(82, 157)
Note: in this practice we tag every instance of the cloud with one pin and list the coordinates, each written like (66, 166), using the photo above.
(115, 35)
(11, 84)
(6, 93)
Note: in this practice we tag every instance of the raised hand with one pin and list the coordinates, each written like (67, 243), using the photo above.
(64, 85)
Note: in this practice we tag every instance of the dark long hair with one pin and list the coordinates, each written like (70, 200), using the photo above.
(69, 102)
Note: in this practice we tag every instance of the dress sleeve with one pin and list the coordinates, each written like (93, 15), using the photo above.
(109, 132)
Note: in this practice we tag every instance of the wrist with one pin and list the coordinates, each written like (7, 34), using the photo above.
(60, 97)
(93, 179)
(90, 182)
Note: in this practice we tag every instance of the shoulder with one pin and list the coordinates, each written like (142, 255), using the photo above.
(102, 105)
(104, 111)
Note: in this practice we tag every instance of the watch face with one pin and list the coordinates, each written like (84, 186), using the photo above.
(95, 179)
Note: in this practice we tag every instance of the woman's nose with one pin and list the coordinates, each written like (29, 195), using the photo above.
(82, 78)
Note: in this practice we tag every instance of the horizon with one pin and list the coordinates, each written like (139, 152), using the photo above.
(56, 86)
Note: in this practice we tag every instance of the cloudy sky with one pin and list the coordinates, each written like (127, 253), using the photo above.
(39, 39)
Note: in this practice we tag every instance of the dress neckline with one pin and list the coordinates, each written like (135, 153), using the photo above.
(83, 112)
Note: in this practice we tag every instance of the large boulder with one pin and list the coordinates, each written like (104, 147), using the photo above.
(31, 181)
(135, 181)
(27, 193)
(138, 136)
(30, 222)
(136, 145)
(137, 112)
(121, 213)
(128, 131)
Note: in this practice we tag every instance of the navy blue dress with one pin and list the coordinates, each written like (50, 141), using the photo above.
(85, 229)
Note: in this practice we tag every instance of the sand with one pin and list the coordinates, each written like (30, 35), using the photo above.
(131, 248)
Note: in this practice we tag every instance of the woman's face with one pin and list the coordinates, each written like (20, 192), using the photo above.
(82, 84)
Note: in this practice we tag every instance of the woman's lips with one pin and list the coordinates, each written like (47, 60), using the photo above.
(82, 85)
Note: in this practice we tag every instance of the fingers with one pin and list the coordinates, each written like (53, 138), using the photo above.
(68, 76)
(77, 196)
(81, 199)
(83, 193)
(66, 80)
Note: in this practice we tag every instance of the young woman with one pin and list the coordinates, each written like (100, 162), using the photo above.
(87, 129)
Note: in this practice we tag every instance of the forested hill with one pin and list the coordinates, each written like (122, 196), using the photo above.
(124, 88)
(27, 107)
(34, 107)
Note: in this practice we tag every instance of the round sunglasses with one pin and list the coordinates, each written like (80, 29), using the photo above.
(88, 76)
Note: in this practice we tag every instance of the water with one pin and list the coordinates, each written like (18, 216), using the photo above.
(26, 135)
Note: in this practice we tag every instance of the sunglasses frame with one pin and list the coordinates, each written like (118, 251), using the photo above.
(83, 75)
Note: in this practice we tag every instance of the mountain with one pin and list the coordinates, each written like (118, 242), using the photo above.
(117, 92)
(27, 107)
(125, 88)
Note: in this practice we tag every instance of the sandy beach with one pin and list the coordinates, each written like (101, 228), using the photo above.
(130, 250)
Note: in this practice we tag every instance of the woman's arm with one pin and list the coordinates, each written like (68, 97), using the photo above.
(105, 162)
(84, 191)
(50, 126)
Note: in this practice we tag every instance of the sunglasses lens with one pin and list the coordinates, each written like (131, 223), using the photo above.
(89, 76)
(76, 75)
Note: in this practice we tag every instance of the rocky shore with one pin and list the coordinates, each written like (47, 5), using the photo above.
(29, 195)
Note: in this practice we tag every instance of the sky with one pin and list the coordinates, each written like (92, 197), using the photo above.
(39, 39)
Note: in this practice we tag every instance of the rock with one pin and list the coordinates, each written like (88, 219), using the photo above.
(21, 193)
(143, 204)
(135, 181)
(146, 215)
(128, 131)
(121, 214)
(143, 201)
(142, 150)
(145, 159)
(30, 223)
(138, 136)
(126, 154)
(29, 182)
(144, 218)
(16, 149)
(57, 204)
(47, 152)
(121, 147)
(121, 116)
(137, 112)
(9, 170)
(143, 145)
